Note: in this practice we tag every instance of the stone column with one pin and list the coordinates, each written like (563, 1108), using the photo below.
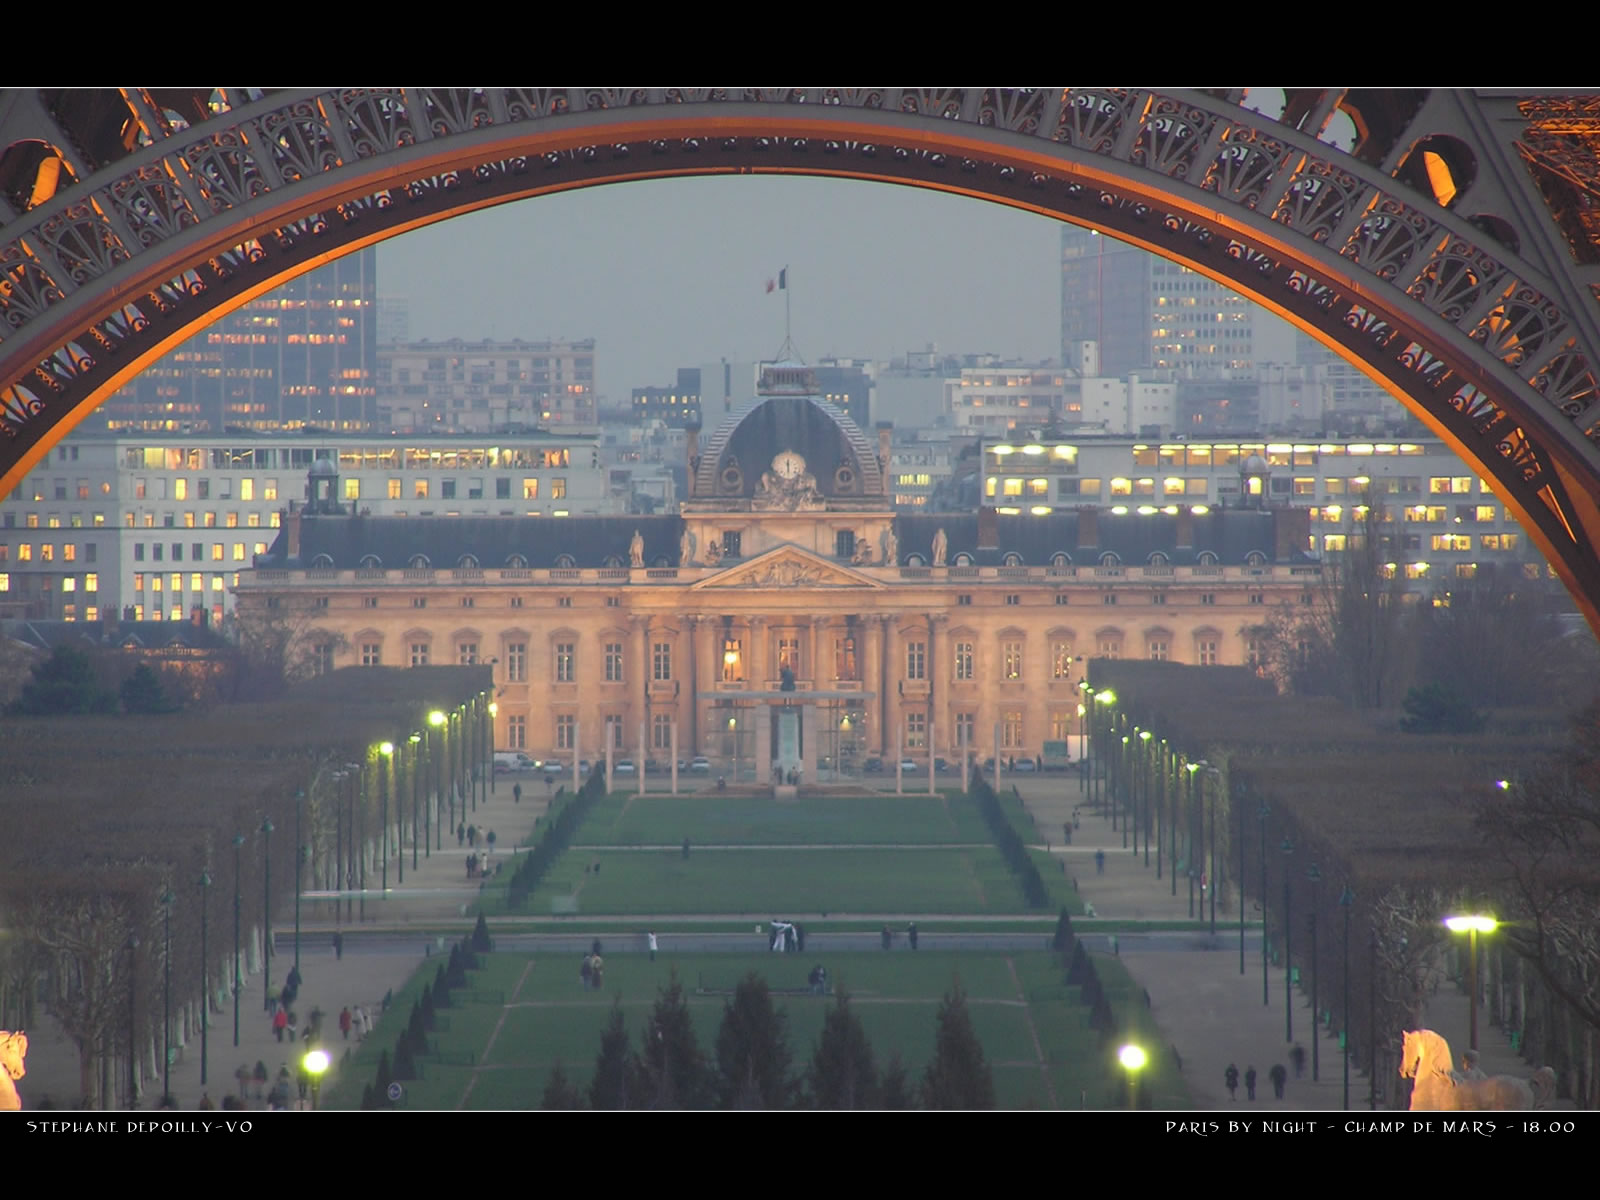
(810, 751)
(893, 671)
(871, 663)
(938, 680)
(761, 714)
(641, 687)
(820, 666)
(696, 683)
(755, 666)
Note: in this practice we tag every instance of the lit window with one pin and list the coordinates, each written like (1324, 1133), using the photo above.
(963, 660)
(1011, 655)
(613, 662)
(566, 662)
(1061, 660)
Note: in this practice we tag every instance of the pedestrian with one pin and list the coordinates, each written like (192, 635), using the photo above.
(911, 934)
(206, 1103)
(1297, 1056)
(461, 834)
(516, 791)
(1230, 1077)
(1279, 1076)
(1099, 862)
(362, 1022)
(338, 945)
(597, 968)
(651, 937)
(1250, 1083)
(294, 1024)
(260, 1076)
(887, 937)
(586, 971)
(344, 1022)
(1116, 947)
(280, 1022)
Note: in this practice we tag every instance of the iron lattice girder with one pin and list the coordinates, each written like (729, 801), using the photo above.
(108, 273)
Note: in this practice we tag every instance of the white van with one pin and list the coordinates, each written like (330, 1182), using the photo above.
(512, 760)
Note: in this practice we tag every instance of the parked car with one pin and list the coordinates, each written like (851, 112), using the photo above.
(584, 767)
(623, 766)
(1023, 766)
(873, 766)
(943, 766)
(700, 766)
(907, 765)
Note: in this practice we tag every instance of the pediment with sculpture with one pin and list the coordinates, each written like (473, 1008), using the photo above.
(788, 567)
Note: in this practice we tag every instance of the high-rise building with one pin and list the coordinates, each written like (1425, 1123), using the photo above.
(394, 319)
(304, 354)
(480, 386)
(1151, 315)
(678, 407)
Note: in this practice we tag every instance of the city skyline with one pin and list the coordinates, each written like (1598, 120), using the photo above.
(668, 273)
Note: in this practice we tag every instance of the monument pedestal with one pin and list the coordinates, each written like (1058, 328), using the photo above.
(785, 792)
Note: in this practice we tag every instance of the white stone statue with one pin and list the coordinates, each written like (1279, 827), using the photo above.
(685, 548)
(941, 546)
(636, 550)
(891, 547)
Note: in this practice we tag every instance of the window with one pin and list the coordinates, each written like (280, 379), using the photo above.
(516, 602)
(419, 654)
(1011, 730)
(965, 724)
(558, 489)
(502, 489)
(420, 489)
(916, 660)
(1255, 652)
(322, 658)
(731, 660)
(661, 732)
(91, 582)
(447, 489)
(1108, 597)
(566, 732)
(1060, 725)
(661, 661)
(419, 602)
(468, 601)
(964, 598)
(516, 662)
(1013, 598)
(1160, 649)
(517, 733)
(247, 489)
(1257, 598)
(563, 601)
(395, 487)
(730, 543)
(844, 543)
(613, 662)
(916, 731)
(613, 601)
(371, 654)
(467, 654)
(844, 658)
(963, 659)
(369, 602)
(530, 489)
(238, 552)
(352, 489)
(1110, 645)
(566, 662)
(1011, 656)
(1061, 660)
(25, 552)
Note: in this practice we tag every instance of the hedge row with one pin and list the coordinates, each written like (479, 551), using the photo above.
(1009, 843)
(555, 833)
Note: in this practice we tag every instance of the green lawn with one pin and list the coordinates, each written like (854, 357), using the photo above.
(764, 883)
(547, 1017)
(707, 818)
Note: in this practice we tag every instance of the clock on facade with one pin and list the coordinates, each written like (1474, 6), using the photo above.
(789, 465)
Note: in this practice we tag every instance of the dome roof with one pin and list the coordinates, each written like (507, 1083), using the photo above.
(739, 451)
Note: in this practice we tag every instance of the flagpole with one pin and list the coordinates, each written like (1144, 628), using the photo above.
(785, 278)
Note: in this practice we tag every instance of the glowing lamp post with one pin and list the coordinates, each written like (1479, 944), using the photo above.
(1472, 926)
(1144, 766)
(315, 1064)
(436, 720)
(1133, 1059)
(386, 749)
(489, 739)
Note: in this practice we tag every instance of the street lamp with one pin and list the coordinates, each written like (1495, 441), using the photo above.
(266, 917)
(387, 752)
(489, 739)
(1347, 900)
(1144, 763)
(1288, 944)
(1125, 791)
(436, 721)
(1107, 697)
(1212, 776)
(1314, 875)
(1261, 813)
(166, 993)
(1472, 926)
(415, 741)
(204, 884)
(315, 1064)
(238, 978)
(1133, 1059)
(299, 859)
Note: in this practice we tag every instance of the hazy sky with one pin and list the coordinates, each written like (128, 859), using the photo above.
(670, 273)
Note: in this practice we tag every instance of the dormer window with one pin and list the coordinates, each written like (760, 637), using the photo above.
(419, 562)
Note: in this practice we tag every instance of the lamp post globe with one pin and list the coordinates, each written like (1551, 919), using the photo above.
(315, 1063)
(1133, 1059)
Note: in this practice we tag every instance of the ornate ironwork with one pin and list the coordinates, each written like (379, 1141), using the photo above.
(1490, 335)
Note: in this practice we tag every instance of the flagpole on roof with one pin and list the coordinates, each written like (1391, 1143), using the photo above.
(783, 279)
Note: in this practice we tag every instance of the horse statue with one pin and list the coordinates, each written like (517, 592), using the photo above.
(13, 1049)
(1426, 1060)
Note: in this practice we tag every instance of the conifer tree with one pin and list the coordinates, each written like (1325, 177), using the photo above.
(958, 1076)
(672, 1069)
(843, 1074)
(559, 1093)
(753, 1050)
(896, 1092)
(612, 1085)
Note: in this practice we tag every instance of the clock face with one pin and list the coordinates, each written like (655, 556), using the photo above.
(789, 465)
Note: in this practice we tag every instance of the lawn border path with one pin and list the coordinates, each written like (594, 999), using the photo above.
(505, 1009)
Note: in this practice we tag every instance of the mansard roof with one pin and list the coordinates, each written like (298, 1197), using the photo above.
(491, 542)
(751, 436)
(1231, 535)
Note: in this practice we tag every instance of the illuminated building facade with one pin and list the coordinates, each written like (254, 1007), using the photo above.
(455, 385)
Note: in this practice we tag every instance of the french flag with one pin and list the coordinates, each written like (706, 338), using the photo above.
(781, 283)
